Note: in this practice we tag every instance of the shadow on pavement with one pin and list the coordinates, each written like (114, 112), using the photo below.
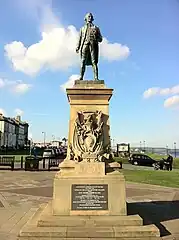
(156, 212)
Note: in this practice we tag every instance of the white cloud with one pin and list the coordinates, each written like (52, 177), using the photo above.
(113, 51)
(172, 101)
(161, 91)
(2, 83)
(18, 86)
(21, 88)
(151, 92)
(3, 112)
(18, 112)
(56, 49)
(70, 82)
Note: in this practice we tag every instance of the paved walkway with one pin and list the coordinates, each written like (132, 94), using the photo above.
(21, 193)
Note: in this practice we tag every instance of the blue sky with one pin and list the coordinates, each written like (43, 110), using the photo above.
(139, 60)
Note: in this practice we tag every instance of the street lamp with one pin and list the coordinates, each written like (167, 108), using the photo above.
(167, 149)
(140, 146)
(31, 145)
(144, 146)
(44, 133)
(175, 149)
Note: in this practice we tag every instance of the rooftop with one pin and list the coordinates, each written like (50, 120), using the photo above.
(14, 120)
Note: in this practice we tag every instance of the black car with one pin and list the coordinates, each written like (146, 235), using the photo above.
(141, 159)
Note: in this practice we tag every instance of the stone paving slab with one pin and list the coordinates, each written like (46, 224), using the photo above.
(22, 192)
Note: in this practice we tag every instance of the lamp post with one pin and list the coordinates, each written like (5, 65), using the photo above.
(140, 146)
(31, 145)
(44, 133)
(167, 149)
(175, 149)
(144, 146)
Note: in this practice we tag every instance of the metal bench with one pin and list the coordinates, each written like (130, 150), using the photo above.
(7, 161)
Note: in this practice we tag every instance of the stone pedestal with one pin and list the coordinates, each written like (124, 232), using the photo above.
(89, 97)
(71, 192)
(89, 201)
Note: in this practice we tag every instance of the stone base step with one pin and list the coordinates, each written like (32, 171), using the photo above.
(35, 229)
(131, 232)
(133, 220)
(39, 238)
(46, 219)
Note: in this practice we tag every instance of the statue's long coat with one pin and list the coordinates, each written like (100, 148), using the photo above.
(81, 41)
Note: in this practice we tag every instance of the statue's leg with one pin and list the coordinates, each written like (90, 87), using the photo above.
(93, 60)
(82, 71)
(95, 70)
(84, 52)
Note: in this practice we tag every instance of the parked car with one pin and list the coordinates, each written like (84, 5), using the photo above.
(49, 153)
(141, 159)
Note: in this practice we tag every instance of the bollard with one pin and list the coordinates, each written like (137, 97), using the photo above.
(43, 163)
(21, 162)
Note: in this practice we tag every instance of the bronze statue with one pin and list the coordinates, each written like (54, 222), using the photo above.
(89, 38)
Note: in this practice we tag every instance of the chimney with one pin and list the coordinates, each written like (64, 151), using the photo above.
(18, 118)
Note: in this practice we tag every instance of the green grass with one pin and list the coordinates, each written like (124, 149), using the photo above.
(162, 178)
(123, 160)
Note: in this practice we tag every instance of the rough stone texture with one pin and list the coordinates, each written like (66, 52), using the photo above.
(89, 96)
(65, 228)
(116, 193)
(89, 83)
(90, 169)
(47, 219)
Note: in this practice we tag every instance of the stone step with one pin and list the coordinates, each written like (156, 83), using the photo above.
(77, 221)
(12, 221)
(32, 230)
(125, 232)
(33, 218)
(16, 228)
(46, 219)
(48, 238)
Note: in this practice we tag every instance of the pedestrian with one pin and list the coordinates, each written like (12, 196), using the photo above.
(170, 161)
(161, 163)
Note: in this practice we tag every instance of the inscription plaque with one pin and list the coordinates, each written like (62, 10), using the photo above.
(89, 197)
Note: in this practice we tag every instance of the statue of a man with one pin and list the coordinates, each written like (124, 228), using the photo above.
(88, 41)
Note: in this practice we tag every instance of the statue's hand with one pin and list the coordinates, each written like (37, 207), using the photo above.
(77, 50)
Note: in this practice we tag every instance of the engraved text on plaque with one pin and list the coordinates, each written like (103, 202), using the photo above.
(89, 197)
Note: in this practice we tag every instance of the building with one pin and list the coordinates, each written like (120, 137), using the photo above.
(13, 132)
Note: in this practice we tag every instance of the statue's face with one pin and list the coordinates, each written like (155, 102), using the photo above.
(89, 18)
